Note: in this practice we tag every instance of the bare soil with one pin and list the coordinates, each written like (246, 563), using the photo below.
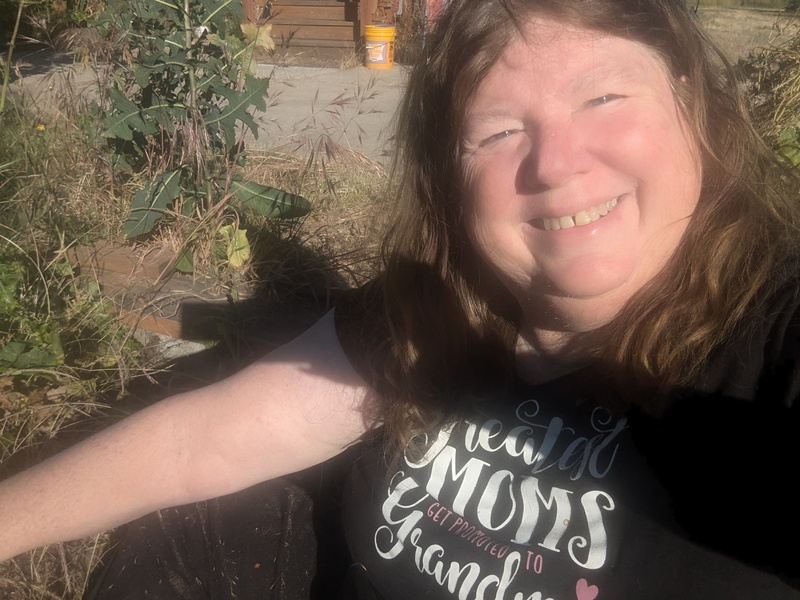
(739, 31)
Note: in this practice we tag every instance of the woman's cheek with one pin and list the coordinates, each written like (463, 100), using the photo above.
(494, 178)
(481, 181)
(633, 137)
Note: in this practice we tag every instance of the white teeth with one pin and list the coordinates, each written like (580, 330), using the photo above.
(582, 218)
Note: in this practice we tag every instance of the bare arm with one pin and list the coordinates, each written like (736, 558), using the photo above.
(295, 408)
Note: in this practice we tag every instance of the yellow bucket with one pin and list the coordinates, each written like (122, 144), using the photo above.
(379, 46)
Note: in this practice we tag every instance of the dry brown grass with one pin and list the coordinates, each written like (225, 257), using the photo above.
(738, 31)
(340, 235)
(776, 88)
(346, 189)
(57, 572)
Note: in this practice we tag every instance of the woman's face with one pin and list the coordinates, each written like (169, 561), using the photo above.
(580, 173)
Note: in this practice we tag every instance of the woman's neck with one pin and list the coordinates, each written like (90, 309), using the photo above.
(542, 356)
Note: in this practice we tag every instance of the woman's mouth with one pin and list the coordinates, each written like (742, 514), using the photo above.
(578, 220)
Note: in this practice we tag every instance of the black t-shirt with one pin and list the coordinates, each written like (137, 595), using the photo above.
(543, 494)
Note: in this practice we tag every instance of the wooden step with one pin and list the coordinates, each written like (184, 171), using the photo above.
(313, 29)
(315, 23)
(332, 11)
(146, 292)
(312, 43)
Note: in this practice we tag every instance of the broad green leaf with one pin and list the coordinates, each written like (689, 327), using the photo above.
(43, 357)
(269, 201)
(177, 41)
(239, 102)
(141, 75)
(237, 246)
(57, 349)
(36, 357)
(10, 276)
(127, 118)
(260, 88)
(62, 268)
(188, 206)
(227, 128)
(247, 59)
(789, 146)
(151, 202)
(217, 11)
(185, 261)
(25, 355)
(248, 120)
(11, 352)
(146, 10)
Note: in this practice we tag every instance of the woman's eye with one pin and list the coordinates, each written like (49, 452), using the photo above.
(499, 136)
(604, 99)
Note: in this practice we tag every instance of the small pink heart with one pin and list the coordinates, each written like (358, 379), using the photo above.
(584, 591)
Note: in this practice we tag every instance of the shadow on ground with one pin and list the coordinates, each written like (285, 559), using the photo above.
(279, 539)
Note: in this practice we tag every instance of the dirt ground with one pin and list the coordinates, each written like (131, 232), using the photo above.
(737, 31)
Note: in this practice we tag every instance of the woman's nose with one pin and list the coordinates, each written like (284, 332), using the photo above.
(558, 153)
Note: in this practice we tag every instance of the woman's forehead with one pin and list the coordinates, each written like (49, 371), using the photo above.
(573, 57)
(541, 35)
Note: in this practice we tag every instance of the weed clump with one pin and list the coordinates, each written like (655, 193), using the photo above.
(60, 344)
(62, 350)
(772, 76)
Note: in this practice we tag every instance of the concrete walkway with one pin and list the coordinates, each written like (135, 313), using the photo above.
(353, 108)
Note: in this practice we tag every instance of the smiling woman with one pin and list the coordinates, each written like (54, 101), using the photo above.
(588, 219)
(576, 377)
(638, 156)
(599, 132)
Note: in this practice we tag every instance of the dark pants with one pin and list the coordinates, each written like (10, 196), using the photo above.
(279, 540)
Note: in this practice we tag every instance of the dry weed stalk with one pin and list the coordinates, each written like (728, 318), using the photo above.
(346, 189)
(774, 77)
(56, 572)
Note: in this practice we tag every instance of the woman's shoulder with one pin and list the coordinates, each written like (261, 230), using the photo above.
(360, 325)
(761, 360)
(725, 448)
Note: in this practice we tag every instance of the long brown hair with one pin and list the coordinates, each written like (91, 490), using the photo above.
(448, 327)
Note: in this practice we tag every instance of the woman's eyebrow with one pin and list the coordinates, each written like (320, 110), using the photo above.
(609, 74)
(487, 114)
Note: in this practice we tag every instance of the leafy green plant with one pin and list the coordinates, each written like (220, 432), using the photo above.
(182, 95)
(28, 343)
(54, 326)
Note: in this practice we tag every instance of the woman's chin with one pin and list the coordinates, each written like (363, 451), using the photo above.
(590, 285)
